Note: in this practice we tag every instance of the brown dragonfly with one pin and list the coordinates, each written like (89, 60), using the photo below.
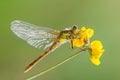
(43, 37)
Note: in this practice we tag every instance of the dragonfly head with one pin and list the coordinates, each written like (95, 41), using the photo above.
(75, 30)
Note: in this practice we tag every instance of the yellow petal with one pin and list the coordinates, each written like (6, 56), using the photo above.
(96, 44)
(83, 28)
(90, 32)
(95, 61)
(97, 52)
(78, 42)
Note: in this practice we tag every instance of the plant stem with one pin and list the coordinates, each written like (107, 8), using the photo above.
(60, 63)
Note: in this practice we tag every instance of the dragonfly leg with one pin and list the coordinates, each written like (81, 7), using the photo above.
(71, 44)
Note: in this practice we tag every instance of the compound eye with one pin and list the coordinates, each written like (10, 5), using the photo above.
(74, 27)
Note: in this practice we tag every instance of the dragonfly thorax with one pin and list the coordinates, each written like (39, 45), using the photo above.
(71, 33)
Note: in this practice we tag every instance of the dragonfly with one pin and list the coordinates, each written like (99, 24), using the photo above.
(43, 38)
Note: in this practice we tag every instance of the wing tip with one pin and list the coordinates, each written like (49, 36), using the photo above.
(15, 22)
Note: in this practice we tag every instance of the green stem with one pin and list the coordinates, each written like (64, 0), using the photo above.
(60, 63)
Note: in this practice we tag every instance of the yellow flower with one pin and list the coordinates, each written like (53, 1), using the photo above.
(96, 52)
(88, 31)
(83, 37)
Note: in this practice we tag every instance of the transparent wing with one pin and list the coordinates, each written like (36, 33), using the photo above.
(39, 37)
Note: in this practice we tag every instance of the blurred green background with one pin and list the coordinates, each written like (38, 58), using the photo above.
(101, 15)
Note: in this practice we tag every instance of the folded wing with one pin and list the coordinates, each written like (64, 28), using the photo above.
(39, 37)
